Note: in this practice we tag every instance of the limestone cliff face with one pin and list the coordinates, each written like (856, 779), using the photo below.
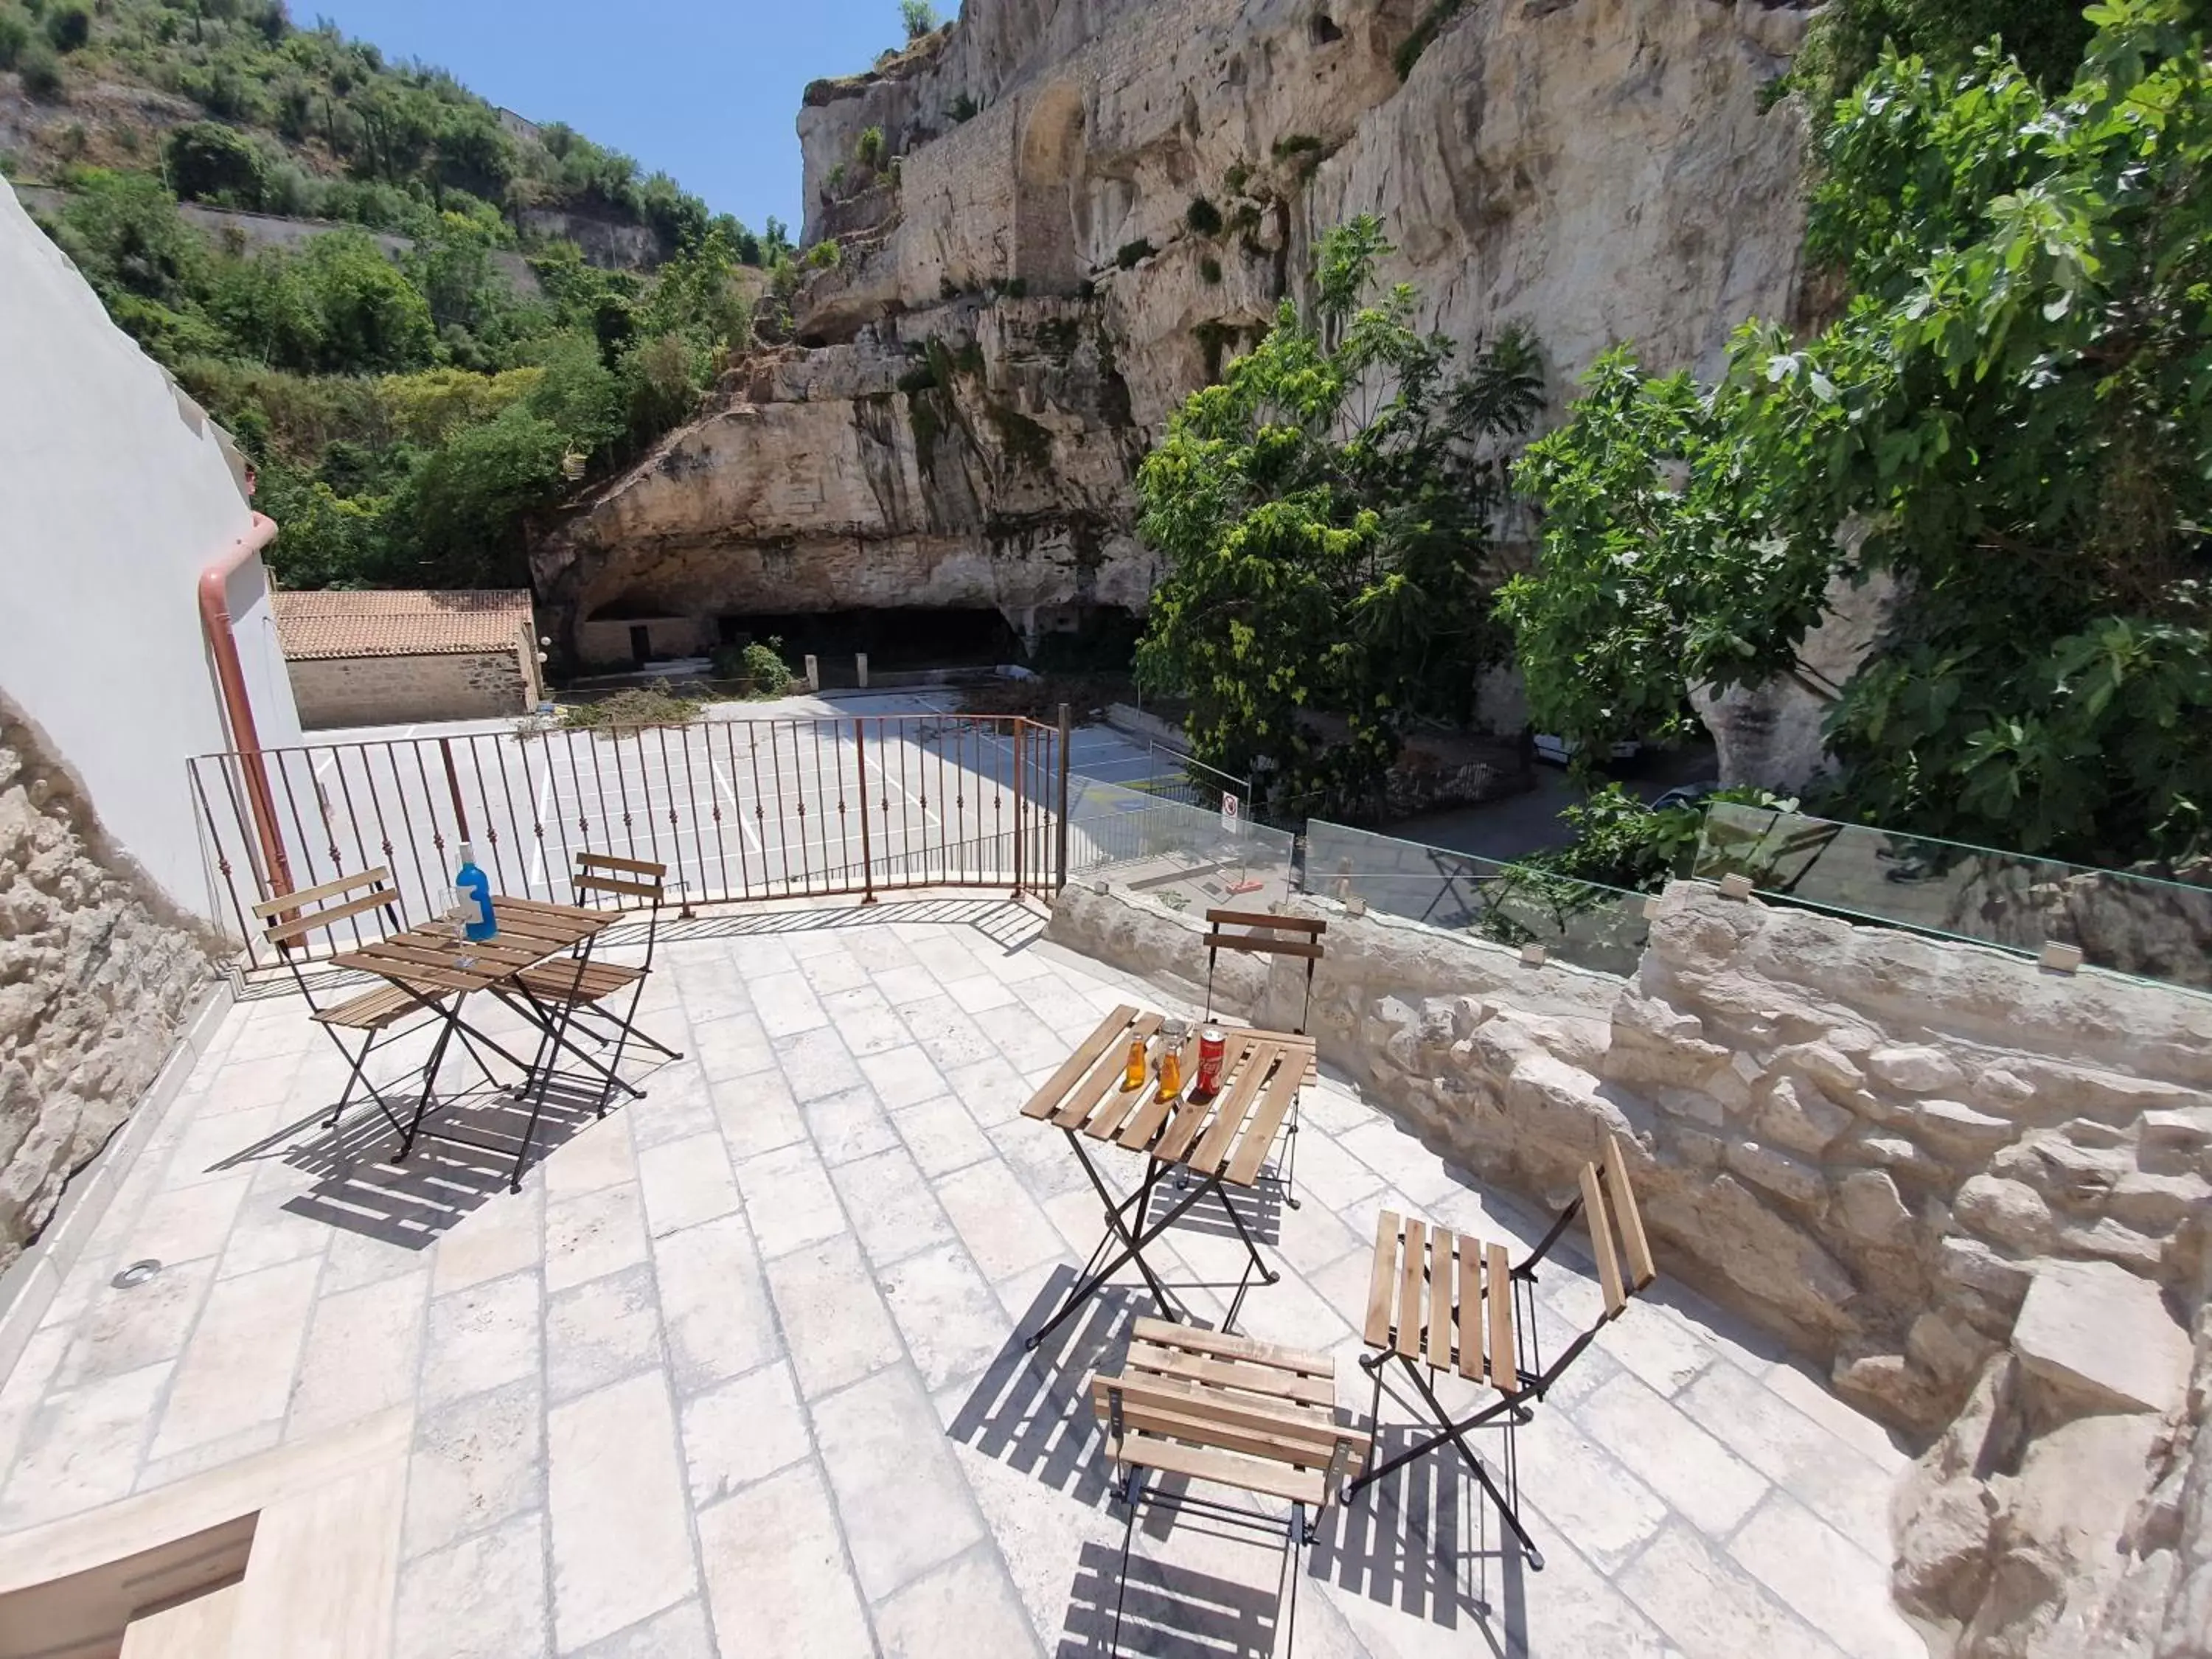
(1084, 205)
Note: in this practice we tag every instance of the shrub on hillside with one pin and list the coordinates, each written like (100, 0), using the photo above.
(41, 71)
(211, 162)
(69, 27)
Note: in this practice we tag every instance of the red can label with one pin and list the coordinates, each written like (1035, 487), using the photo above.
(1212, 1047)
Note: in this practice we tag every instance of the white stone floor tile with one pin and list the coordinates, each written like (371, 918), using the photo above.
(901, 1500)
(476, 1462)
(894, 1213)
(834, 1321)
(742, 1430)
(776, 1573)
(621, 1535)
(601, 1331)
(902, 1076)
(997, 1219)
(848, 1125)
(600, 1233)
(679, 1633)
(715, 1304)
(237, 1369)
(1837, 1589)
(739, 1370)
(941, 1136)
(952, 1324)
(481, 1337)
(789, 1200)
(1699, 1476)
(1708, 1605)
(363, 1347)
(687, 1181)
(482, 1598)
(962, 1609)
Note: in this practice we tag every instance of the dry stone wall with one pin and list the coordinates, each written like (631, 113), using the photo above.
(1975, 1190)
(97, 974)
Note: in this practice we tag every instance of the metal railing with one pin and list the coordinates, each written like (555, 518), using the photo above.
(737, 809)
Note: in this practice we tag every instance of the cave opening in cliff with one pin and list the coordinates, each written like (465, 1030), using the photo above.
(894, 639)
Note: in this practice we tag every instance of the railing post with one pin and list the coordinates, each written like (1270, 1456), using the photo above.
(1021, 791)
(867, 857)
(454, 788)
(1059, 834)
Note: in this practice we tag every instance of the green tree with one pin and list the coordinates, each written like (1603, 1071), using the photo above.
(467, 503)
(373, 319)
(1846, 40)
(2010, 420)
(1324, 514)
(920, 18)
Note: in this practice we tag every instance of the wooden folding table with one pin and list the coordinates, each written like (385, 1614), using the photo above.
(1222, 1139)
(426, 961)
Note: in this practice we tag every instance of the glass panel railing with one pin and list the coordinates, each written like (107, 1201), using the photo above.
(2130, 924)
(1600, 928)
(1188, 857)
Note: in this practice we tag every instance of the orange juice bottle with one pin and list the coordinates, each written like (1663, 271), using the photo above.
(1133, 1076)
(1171, 1059)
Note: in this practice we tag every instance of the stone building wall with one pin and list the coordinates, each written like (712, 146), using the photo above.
(98, 973)
(333, 692)
(1977, 1191)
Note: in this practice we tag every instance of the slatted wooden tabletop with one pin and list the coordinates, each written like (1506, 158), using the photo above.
(431, 959)
(1227, 1133)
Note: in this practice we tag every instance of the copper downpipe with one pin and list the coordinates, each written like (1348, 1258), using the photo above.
(237, 707)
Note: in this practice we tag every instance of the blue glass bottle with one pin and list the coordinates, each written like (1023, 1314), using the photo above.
(477, 886)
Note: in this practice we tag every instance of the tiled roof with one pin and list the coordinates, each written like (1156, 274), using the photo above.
(405, 622)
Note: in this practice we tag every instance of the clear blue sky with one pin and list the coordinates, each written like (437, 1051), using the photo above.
(705, 90)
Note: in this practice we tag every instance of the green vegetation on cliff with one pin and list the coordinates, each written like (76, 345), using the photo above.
(411, 409)
(2009, 421)
(1325, 517)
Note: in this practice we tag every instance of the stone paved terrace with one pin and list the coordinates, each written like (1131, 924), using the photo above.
(737, 1372)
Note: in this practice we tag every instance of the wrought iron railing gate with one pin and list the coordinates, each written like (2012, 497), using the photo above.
(737, 809)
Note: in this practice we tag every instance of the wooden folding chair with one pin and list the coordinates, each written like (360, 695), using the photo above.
(380, 1015)
(1297, 936)
(1205, 1406)
(582, 984)
(1440, 1301)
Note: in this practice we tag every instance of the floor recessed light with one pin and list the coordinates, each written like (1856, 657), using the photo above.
(137, 1273)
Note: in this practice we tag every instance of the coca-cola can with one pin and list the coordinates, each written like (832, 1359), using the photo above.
(1212, 1047)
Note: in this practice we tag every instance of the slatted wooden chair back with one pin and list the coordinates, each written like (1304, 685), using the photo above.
(290, 919)
(1212, 1407)
(1618, 1245)
(1270, 935)
(608, 880)
(288, 922)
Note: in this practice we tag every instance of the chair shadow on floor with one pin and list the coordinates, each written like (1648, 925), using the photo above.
(359, 1188)
(1424, 1541)
(1031, 1410)
(1168, 1612)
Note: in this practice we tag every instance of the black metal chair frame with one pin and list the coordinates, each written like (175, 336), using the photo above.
(1512, 1410)
(640, 880)
(1308, 948)
(1135, 1236)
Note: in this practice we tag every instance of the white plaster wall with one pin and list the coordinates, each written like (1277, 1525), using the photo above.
(115, 492)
